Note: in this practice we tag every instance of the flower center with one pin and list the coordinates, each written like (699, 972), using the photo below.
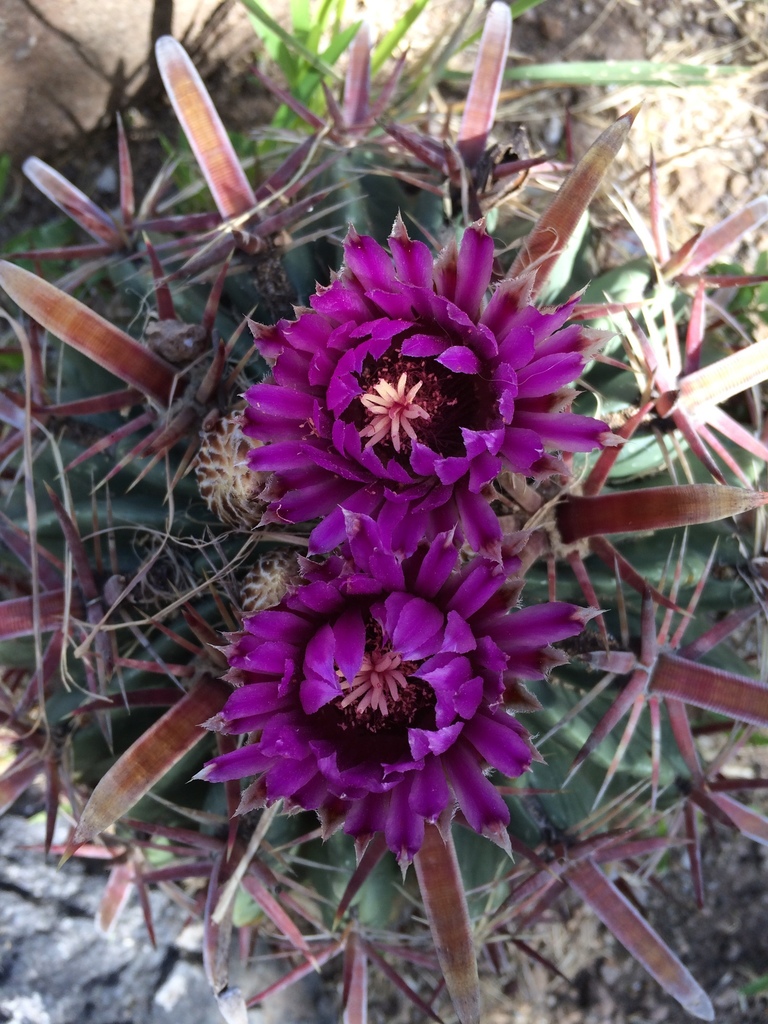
(384, 697)
(407, 398)
(392, 409)
(378, 681)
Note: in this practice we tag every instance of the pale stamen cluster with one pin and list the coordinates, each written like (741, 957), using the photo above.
(379, 679)
(391, 410)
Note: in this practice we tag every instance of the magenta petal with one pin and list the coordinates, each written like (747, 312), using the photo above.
(394, 304)
(332, 461)
(423, 345)
(468, 697)
(364, 777)
(544, 624)
(573, 338)
(458, 637)
(312, 795)
(330, 531)
(521, 449)
(272, 661)
(309, 334)
(551, 321)
(490, 655)
(379, 333)
(535, 663)
(498, 738)
(414, 624)
(300, 505)
(430, 794)
(518, 347)
(404, 830)
(482, 470)
(277, 623)
(480, 442)
(482, 580)
(424, 742)
(285, 736)
(567, 431)
(460, 359)
(255, 698)
(390, 519)
(281, 456)
(479, 521)
(414, 524)
(505, 380)
(544, 376)
(317, 596)
(370, 264)
(450, 470)
(436, 567)
(478, 798)
(475, 264)
(413, 260)
(268, 339)
(370, 550)
(237, 764)
(341, 304)
(512, 295)
(291, 369)
(349, 634)
(457, 689)
(343, 389)
(321, 684)
(286, 777)
(445, 273)
(367, 816)
(269, 405)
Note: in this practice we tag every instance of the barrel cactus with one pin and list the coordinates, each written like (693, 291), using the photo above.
(327, 530)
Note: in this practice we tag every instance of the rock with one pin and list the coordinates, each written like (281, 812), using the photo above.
(56, 967)
(65, 67)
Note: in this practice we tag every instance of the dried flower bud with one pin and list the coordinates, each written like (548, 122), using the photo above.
(267, 582)
(230, 489)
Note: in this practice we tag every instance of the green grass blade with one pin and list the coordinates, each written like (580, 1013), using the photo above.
(756, 987)
(384, 50)
(5, 173)
(305, 85)
(430, 67)
(316, 31)
(618, 72)
(269, 39)
(301, 16)
(340, 43)
(624, 72)
(292, 44)
(521, 6)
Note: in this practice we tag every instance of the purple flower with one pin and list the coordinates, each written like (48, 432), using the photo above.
(402, 394)
(374, 693)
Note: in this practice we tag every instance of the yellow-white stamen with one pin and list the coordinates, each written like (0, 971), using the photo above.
(379, 679)
(391, 410)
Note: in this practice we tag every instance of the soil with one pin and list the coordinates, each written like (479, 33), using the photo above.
(725, 946)
(710, 146)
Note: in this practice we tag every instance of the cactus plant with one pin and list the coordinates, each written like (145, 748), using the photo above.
(349, 548)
